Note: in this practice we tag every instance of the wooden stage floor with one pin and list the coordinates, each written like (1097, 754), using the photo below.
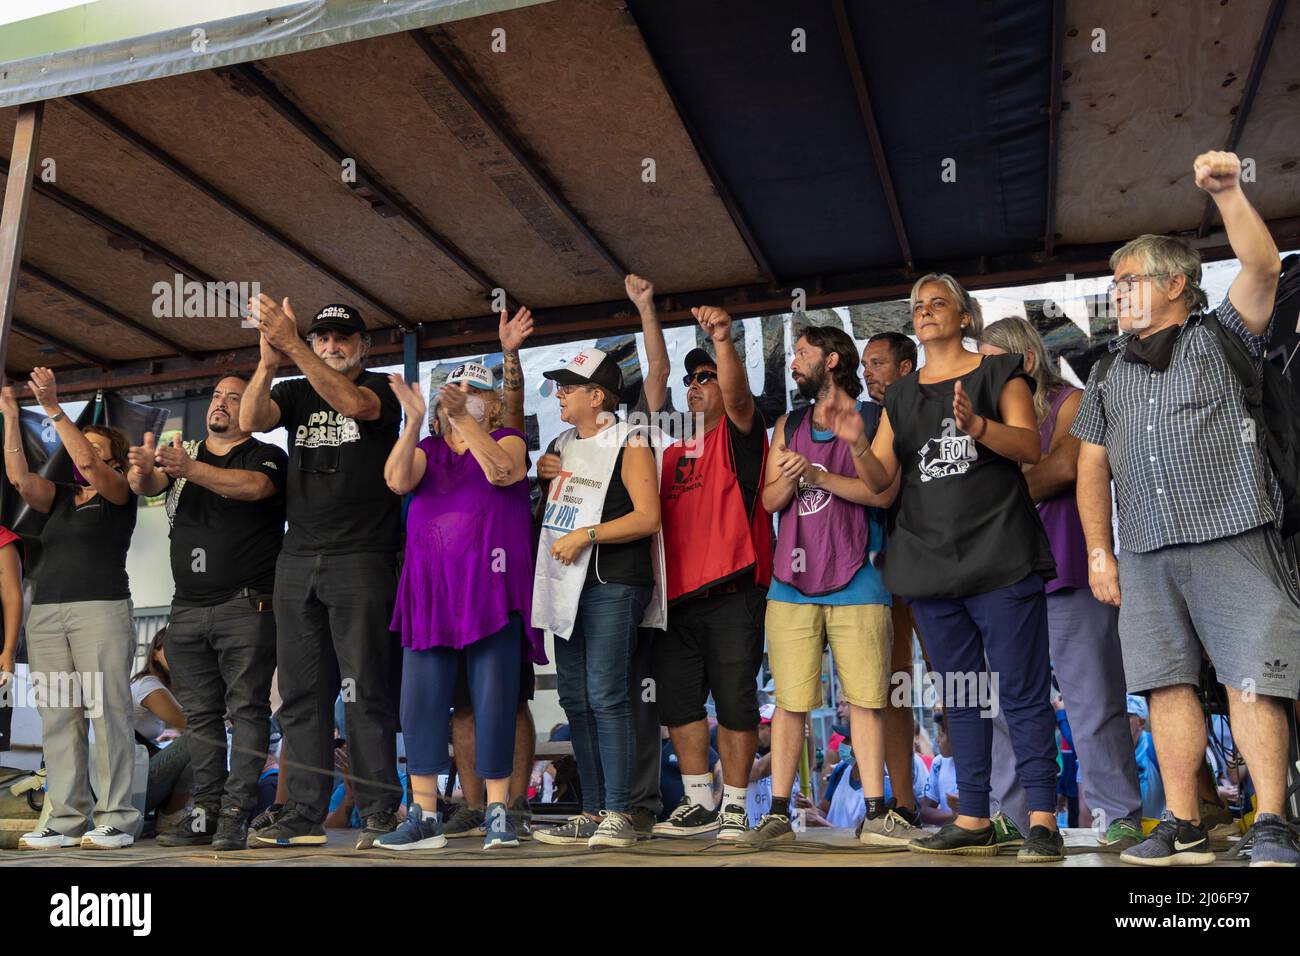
(817, 848)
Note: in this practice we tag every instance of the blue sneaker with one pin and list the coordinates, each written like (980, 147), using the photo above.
(500, 828)
(1272, 842)
(416, 832)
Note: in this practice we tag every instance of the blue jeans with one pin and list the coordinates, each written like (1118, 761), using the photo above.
(593, 672)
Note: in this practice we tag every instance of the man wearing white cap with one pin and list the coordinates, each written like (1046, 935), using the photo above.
(596, 582)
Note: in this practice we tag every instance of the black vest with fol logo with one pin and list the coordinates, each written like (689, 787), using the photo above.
(967, 524)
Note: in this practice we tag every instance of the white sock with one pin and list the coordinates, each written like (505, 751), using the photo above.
(733, 796)
(699, 788)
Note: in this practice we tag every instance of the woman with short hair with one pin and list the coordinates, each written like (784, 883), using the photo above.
(80, 623)
(970, 555)
(595, 584)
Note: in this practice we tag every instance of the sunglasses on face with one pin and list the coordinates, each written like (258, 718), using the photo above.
(699, 378)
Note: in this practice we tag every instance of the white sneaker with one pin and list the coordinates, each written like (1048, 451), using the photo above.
(106, 838)
(46, 839)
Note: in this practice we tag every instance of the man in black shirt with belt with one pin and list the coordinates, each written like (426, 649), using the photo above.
(225, 502)
(336, 579)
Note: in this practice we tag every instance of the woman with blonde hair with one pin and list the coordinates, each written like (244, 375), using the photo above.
(1083, 632)
(970, 555)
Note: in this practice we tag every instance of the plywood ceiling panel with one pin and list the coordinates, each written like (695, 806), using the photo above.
(577, 83)
(1140, 112)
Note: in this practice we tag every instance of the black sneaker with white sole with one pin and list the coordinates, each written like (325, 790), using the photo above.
(1173, 842)
(733, 824)
(291, 828)
(689, 819)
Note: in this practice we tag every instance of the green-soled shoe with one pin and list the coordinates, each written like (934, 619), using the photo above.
(1121, 835)
(1007, 833)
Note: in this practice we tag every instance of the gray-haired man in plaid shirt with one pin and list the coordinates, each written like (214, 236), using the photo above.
(1198, 514)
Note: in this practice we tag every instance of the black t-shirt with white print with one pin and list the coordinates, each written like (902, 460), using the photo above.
(221, 545)
(967, 524)
(336, 497)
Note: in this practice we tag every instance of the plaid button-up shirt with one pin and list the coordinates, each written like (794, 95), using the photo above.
(1183, 452)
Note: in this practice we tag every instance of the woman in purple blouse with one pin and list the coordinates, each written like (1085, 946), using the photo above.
(465, 594)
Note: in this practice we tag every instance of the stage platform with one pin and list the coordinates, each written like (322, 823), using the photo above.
(815, 848)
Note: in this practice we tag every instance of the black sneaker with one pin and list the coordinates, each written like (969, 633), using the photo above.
(196, 828)
(291, 828)
(1042, 846)
(466, 821)
(377, 824)
(953, 840)
(689, 819)
(643, 822)
(266, 817)
(1172, 843)
(232, 830)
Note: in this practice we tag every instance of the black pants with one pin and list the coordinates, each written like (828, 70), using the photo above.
(644, 792)
(332, 614)
(222, 658)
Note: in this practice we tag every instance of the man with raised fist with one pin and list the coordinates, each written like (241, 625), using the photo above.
(225, 503)
(336, 578)
(718, 557)
(1199, 511)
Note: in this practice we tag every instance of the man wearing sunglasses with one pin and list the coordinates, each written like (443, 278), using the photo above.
(1199, 510)
(718, 557)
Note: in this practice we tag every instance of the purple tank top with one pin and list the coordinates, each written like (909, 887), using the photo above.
(1060, 515)
(822, 540)
(469, 556)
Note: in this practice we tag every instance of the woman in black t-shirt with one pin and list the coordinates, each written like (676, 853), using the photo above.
(971, 556)
(80, 624)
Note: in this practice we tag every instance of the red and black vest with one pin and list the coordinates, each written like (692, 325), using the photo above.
(708, 534)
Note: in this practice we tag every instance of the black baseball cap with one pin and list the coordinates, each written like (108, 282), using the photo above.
(590, 367)
(697, 357)
(342, 318)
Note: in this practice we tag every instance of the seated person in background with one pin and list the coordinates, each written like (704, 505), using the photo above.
(842, 804)
(343, 814)
(154, 712)
(939, 801)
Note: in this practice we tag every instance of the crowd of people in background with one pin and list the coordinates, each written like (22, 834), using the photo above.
(964, 500)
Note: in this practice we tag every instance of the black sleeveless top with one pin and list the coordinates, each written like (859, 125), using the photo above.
(967, 524)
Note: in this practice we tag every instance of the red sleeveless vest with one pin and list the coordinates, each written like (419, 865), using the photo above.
(708, 535)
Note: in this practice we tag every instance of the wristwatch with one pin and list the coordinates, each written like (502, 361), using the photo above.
(591, 534)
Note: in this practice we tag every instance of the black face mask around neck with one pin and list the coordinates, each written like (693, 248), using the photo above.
(1156, 350)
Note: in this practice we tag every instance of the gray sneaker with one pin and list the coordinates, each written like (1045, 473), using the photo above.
(1272, 842)
(575, 830)
(466, 821)
(773, 828)
(1172, 843)
(889, 830)
(615, 830)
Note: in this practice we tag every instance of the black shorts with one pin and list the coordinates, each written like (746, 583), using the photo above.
(460, 697)
(714, 644)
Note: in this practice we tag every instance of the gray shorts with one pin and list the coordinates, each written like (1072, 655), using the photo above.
(1226, 596)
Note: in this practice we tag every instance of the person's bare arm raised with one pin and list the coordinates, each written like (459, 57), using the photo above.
(737, 399)
(103, 477)
(35, 490)
(513, 333)
(642, 293)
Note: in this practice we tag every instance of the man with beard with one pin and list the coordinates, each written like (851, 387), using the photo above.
(824, 587)
(336, 578)
(225, 502)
